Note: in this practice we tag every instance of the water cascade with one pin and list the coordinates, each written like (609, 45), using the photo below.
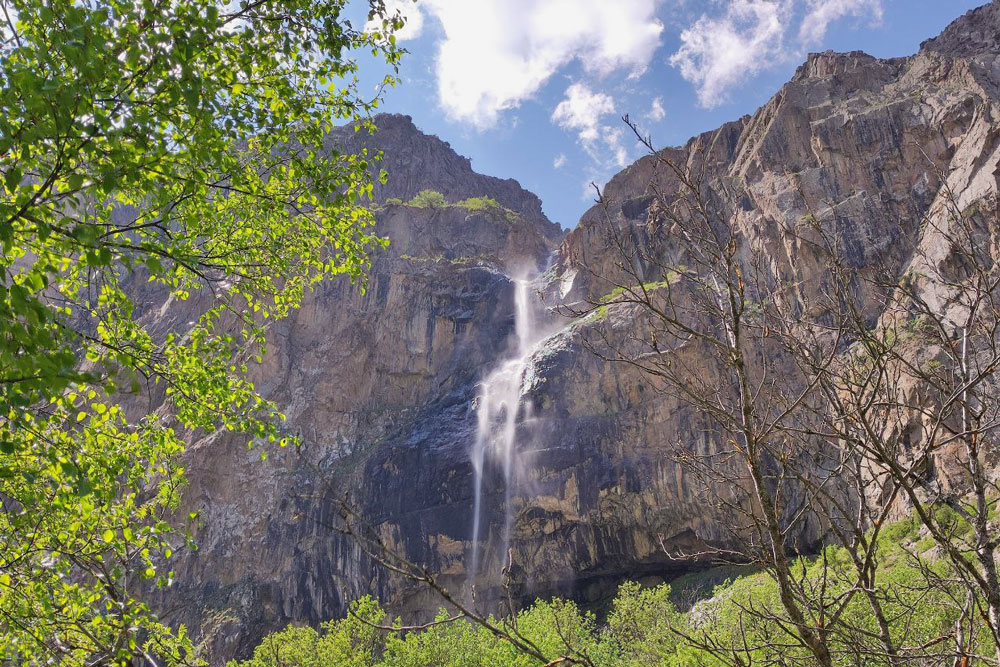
(499, 412)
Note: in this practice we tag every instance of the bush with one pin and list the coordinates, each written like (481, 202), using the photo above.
(429, 199)
(489, 205)
(480, 204)
(348, 642)
(640, 622)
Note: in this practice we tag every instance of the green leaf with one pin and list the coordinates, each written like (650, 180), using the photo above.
(12, 178)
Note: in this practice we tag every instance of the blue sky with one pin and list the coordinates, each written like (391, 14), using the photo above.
(535, 89)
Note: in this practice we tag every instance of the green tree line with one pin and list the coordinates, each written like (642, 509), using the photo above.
(740, 621)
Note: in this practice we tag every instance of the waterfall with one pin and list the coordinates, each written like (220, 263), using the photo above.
(499, 411)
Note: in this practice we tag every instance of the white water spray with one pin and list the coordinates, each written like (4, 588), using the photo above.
(499, 412)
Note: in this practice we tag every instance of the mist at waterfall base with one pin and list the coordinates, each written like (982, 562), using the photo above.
(504, 425)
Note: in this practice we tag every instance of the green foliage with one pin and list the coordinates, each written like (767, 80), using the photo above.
(900, 532)
(393, 201)
(742, 621)
(916, 595)
(457, 261)
(630, 294)
(173, 145)
(354, 641)
(554, 627)
(480, 204)
(642, 625)
(429, 199)
(434, 199)
(623, 294)
(489, 205)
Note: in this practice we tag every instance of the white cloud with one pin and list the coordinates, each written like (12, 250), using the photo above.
(717, 53)
(560, 161)
(581, 110)
(821, 13)
(614, 139)
(494, 54)
(497, 53)
(656, 111)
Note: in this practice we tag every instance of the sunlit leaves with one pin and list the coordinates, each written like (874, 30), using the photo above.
(173, 150)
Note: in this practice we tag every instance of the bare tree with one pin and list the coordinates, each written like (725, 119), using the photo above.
(809, 390)
(918, 401)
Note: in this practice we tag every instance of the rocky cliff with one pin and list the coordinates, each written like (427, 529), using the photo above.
(383, 389)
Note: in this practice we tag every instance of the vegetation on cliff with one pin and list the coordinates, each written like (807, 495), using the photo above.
(481, 204)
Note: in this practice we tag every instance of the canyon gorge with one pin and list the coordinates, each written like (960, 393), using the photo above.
(456, 402)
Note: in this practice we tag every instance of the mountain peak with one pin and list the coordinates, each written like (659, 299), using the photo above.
(830, 63)
(418, 161)
(975, 33)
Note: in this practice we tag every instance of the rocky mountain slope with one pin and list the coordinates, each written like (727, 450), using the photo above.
(355, 372)
(382, 387)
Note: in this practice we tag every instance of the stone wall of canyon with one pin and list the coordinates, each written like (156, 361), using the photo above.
(381, 386)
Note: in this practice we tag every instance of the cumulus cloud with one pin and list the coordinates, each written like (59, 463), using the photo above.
(614, 139)
(717, 52)
(749, 36)
(560, 161)
(584, 111)
(821, 13)
(497, 53)
(581, 110)
(413, 25)
(656, 111)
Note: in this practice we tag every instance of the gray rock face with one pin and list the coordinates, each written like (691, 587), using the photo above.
(971, 35)
(370, 382)
(381, 386)
(418, 161)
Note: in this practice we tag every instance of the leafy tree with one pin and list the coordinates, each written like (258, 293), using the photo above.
(429, 199)
(354, 641)
(170, 150)
(643, 623)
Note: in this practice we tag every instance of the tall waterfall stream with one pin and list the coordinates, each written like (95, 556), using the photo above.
(500, 411)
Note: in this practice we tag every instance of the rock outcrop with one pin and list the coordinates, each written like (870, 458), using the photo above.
(381, 386)
(419, 161)
(357, 372)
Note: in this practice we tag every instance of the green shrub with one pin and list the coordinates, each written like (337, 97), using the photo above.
(640, 624)
(489, 205)
(393, 201)
(898, 533)
(349, 642)
(429, 199)
(622, 294)
(480, 204)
